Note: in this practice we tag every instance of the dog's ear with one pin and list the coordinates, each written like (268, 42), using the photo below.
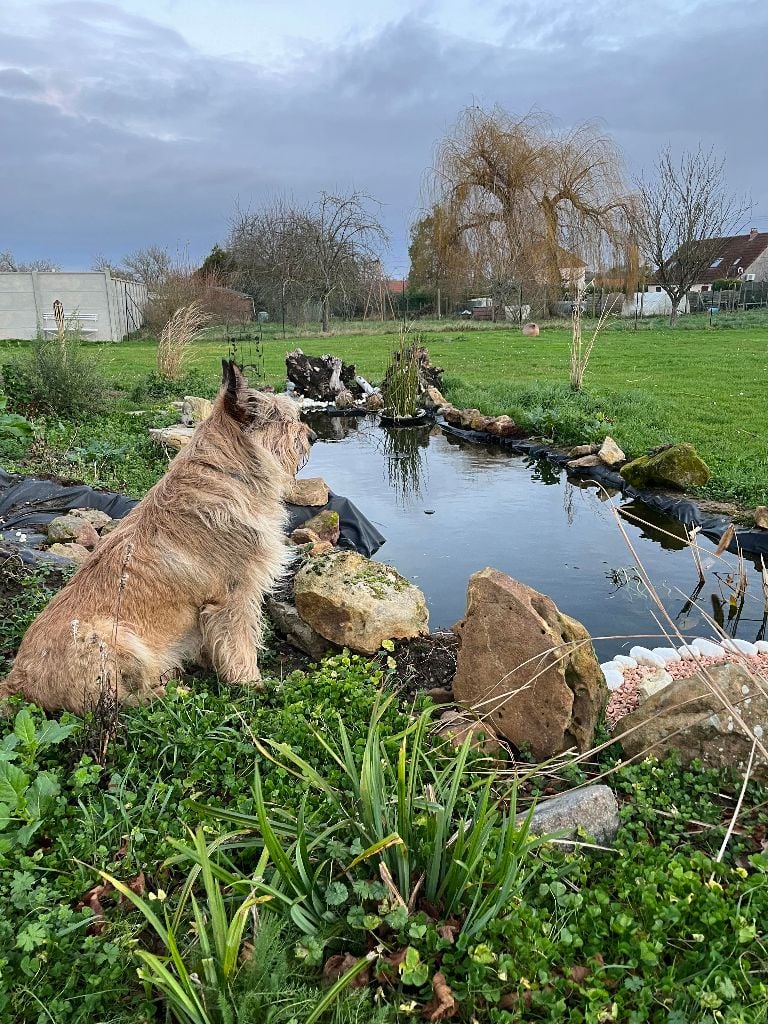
(244, 404)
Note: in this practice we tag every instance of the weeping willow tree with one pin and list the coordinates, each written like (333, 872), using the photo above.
(523, 198)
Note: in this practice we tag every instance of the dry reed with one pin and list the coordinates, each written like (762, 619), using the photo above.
(186, 324)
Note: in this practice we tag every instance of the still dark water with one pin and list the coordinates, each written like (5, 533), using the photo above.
(449, 508)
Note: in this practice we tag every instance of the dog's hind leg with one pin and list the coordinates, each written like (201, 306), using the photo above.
(232, 639)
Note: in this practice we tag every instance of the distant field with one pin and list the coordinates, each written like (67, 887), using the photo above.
(646, 388)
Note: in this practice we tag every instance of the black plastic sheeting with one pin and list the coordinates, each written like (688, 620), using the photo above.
(28, 503)
(750, 541)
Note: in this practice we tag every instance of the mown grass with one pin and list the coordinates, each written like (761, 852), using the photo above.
(646, 388)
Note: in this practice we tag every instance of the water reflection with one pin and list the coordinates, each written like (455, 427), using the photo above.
(403, 448)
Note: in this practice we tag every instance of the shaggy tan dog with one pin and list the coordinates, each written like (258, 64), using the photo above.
(183, 576)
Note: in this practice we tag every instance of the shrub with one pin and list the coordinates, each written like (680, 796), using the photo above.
(56, 375)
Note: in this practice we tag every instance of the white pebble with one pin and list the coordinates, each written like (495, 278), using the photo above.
(625, 661)
(762, 646)
(740, 647)
(611, 666)
(666, 654)
(613, 678)
(645, 657)
(758, 731)
(689, 653)
(708, 648)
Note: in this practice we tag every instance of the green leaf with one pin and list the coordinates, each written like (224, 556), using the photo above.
(24, 727)
(31, 937)
(52, 732)
(336, 894)
(13, 784)
(388, 645)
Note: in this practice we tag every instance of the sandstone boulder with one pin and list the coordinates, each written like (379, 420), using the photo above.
(345, 399)
(356, 603)
(504, 426)
(584, 462)
(688, 716)
(176, 437)
(610, 453)
(677, 466)
(72, 529)
(311, 490)
(761, 517)
(458, 725)
(374, 402)
(74, 552)
(195, 410)
(527, 667)
(433, 399)
(325, 525)
(580, 450)
(289, 623)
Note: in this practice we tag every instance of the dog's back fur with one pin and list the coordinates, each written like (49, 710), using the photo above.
(183, 576)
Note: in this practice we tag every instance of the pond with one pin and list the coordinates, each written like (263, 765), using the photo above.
(448, 507)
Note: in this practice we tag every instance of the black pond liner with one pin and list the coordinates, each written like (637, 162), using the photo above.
(27, 503)
(749, 540)
(419, 420)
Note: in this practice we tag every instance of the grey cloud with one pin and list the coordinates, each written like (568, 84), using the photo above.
(135, 137)
(14, 82)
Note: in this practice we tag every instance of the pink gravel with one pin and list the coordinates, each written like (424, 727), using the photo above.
(626, 697)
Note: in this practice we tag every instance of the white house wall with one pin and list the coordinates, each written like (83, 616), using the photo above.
(109, 307)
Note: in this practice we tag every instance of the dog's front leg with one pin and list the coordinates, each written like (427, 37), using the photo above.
(232, 639)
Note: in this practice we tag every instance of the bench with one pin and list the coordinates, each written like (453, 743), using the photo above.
(88, 323)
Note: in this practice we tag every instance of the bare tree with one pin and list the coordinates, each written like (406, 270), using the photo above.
(344, 235)
(101, 262)
(9, 264)
(683, 214)
(152, 265)
(270, 250)
(520, 195)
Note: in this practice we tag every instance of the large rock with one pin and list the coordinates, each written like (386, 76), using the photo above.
(72, 529)
(677, 466)
(592, 810)
(761, 517)
(504, 426)
(311, 490)
(689, 717)
(356, 603)
(433, 399)
(527, 666)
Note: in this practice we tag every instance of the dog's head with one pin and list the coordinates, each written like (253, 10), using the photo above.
(266, 420)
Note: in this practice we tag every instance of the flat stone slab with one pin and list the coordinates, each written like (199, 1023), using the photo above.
(592, 810)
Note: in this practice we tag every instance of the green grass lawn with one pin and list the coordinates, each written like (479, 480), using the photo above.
(646, 388)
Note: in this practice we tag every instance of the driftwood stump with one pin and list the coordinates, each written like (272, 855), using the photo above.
(320, 377)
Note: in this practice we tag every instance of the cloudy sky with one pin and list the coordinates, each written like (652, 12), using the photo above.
(147, 121)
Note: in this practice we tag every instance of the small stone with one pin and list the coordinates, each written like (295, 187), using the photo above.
(584, 462)
(479, 422)
(761, 517)
(708, 648)
(432, 399)
(96, 518)
(109, 527)
(614, 677)
(625, 661)
(736, 646)
(593, 810)
(64, 529)
(74, 552)
(452, 415)
(440, 695)
(374, 402)
(325, 525)
(762, 646)
(503, 426)
(688, 653)
(610, 453)
(457, 726)
(288, 622)
(580, 450)
(321, 547)
(304, 536)
(311, 491)
(667, 654)
(644, 656)
(172, 437)
(653, 682)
